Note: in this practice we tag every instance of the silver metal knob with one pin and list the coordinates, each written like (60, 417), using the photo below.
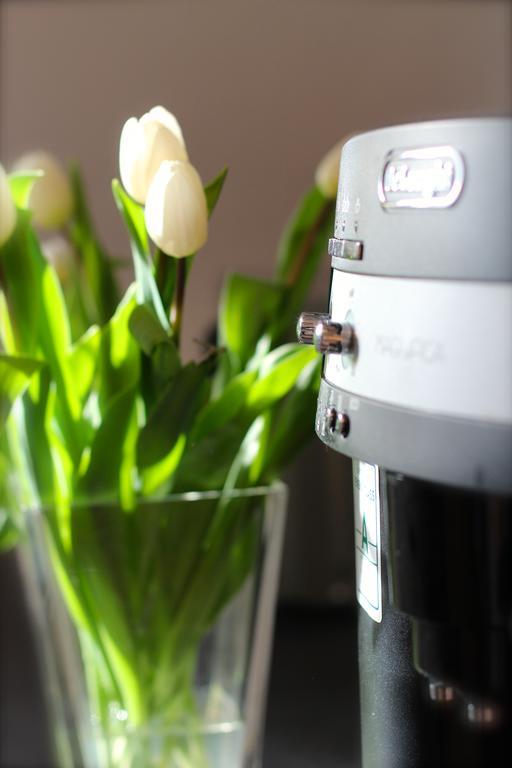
(332, 337)
(306, 325)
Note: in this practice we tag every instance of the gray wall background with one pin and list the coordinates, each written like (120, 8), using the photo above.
(264, 86)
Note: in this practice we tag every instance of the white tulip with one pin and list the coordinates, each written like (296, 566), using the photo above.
(164, 117)
(7, 208)
(176, 209)
(327, 172)
(51, 198)
(60, 254)
(144, 145)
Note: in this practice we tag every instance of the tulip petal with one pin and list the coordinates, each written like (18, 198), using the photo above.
(131, 148)
(176, 209)
(7, 209)
(145, 144)
(161, 115)
(161, 145)
(327, 172)
(51, 199)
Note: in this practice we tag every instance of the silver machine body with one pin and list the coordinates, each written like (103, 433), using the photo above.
(417, 390)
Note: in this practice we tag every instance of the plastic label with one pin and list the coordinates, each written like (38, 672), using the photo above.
(367, 538)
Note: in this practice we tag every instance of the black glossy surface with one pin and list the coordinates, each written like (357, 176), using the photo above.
(446, 575)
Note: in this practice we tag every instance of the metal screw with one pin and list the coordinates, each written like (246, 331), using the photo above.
(343, 424)
(483, 715)
(441, 693)
(331, 419)
(337, 422)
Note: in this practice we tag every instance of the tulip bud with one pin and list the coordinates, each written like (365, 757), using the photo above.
(51, 198)
(7, 209)
(176, 210)
(60, 254)
(327, 172)
(144, 145)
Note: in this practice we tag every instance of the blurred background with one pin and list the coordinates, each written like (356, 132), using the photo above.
(265, 87)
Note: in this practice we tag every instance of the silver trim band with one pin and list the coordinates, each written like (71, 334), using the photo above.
(443, 449)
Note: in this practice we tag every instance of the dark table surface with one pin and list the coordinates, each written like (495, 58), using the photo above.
(313, 703)
(313, 707)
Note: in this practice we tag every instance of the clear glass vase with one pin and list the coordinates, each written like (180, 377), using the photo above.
(155, 626)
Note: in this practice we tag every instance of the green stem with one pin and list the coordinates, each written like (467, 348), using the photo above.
(177, 302)
(292, 278)
(162, 263)
(307, 244)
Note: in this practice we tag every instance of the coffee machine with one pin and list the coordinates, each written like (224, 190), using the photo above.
(417, 390)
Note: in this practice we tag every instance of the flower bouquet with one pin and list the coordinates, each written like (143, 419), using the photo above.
(145, 483)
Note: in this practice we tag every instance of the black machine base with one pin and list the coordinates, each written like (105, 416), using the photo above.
(436, 673)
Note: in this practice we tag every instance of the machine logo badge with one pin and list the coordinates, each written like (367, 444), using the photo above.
(428, 177)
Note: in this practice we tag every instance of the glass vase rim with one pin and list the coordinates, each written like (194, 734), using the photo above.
(276, 488)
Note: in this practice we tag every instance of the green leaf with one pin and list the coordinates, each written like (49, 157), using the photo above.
(15, 375)
(224, 433)
(7, 336)
(257, 463)
(55, 341)
(216, 437)
(51, 464)
(133, 216)
(39, 319)
(157, 478)
(165, 361)
(205, 464)
(213, 189)
(128, 467)
(161, 361)
(248, 451)
(119, 357)
(235, 553)
(22, 264)
(21, 184)
(278, 374)
(102, 578)
(224, 556)
(283, 404)
(292, 423)
(102, 478)
(9, 533)
(98, 282)
(247, 308)
(300, 229)
(172, 414)
(18, 482)
(146, 329)
(83, 361)
(55, 330)
(225, 407)
(302, 247)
